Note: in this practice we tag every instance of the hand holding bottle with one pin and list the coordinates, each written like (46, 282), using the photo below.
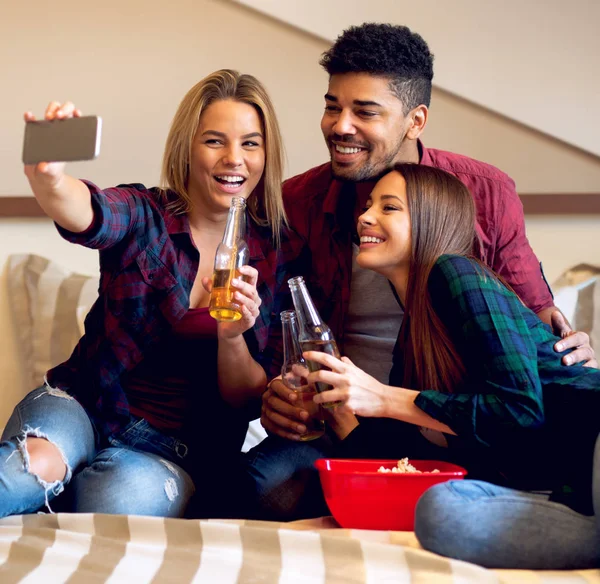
(314, 333)
(245, 295)
(231, 255)
(362, 394)
(281, 413)
(294, 372)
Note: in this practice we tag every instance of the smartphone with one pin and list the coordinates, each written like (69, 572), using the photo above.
(62, 140)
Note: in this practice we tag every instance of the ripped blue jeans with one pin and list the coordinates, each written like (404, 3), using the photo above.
(138, 473)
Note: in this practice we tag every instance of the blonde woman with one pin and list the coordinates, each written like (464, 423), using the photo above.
(155, 386)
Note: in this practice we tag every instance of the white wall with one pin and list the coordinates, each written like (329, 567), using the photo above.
(535, 62)
(132, 62)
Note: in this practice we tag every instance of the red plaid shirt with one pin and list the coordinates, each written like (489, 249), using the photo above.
(148, 264)
(321, 214)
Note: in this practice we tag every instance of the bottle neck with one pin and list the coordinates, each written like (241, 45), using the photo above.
(236, 222)
(291, 346)
(309, 319)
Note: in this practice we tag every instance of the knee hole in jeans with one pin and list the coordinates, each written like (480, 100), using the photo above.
(45, 459)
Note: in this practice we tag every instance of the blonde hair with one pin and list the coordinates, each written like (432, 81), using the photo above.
(265, 204)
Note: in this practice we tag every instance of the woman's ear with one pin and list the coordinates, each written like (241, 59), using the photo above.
(418, 117)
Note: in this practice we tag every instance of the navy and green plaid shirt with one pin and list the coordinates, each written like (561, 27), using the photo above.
(148, 264)
(518, 399)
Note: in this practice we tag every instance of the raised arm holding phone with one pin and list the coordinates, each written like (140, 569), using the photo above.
(63, 198)
(156, 391)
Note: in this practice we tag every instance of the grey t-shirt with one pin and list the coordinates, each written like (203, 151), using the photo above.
(372, 323)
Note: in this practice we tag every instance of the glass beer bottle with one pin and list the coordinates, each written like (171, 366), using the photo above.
(232, 253)
(293, 379)
(314, 334)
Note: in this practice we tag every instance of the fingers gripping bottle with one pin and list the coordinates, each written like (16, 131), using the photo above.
(313, 333)
(232, 253)
(293, 375)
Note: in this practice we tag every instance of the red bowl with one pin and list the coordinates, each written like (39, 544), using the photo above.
(359, 497)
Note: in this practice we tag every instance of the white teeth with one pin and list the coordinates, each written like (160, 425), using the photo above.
(231, 179)
(370, 239)
(344, 150)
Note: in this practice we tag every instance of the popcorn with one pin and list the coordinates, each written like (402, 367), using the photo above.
(403, 466)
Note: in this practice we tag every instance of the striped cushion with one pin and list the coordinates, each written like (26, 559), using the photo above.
(577, 294)
(89, 547)
(46, 300)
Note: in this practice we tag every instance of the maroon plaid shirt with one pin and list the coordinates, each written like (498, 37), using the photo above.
(148, 264)
(321, 214)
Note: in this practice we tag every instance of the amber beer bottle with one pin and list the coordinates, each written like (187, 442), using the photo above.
(293, 378)
(313, 333)
(232, 253)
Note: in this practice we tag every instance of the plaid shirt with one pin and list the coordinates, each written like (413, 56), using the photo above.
(321, 212)
(535, 413)
(148, 264)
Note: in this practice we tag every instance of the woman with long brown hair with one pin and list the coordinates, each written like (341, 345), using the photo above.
(476, 381)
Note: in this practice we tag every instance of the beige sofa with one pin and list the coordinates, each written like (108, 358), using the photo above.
(49, 304)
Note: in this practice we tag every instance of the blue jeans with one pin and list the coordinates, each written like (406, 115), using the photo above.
(285, 484)
(498, 527)
(134, 473)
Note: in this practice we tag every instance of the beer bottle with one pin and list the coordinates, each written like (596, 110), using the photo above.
(232, 253)
(294, 379)
(313, 333)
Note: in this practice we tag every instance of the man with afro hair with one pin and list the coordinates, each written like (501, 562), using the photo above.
(376, 108)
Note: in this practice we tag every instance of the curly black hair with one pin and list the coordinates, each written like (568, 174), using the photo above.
(385, 50)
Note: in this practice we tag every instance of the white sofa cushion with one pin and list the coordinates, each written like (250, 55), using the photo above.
(577, 294)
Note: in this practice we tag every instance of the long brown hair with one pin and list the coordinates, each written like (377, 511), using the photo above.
(442, 215)
(265, 204)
